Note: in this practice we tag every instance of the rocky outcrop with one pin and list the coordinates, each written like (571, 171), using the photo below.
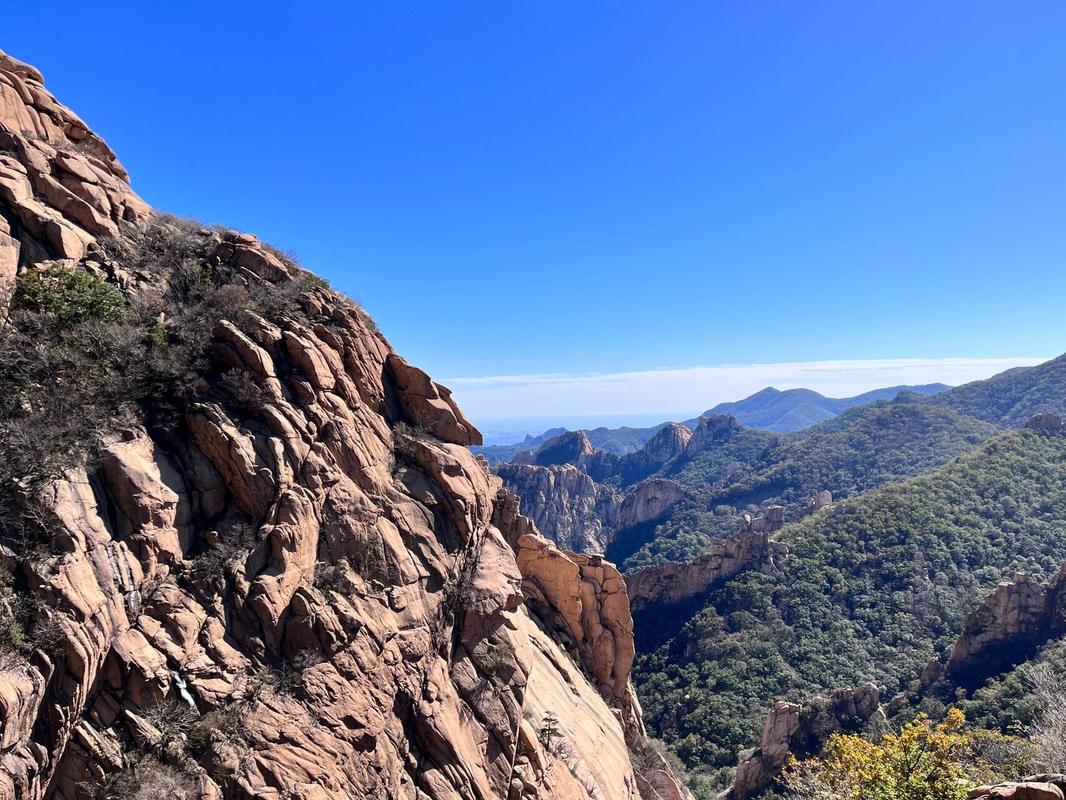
(575, 448)
(596, 623)
(430, 405)
(667, 444)
(584, 598)
(1018, 616)
(571, 447)
(581, 497)
(713, 429)
(661, 449)
(565, 503)
(674, 583)
(576, 512)
(1046, 424)
(770, 520)
(646, 502)
(320, 594)
(822, 499)
(800, 731)
(61, 187)
(1024, 790)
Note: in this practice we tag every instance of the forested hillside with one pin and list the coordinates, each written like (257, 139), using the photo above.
(795, 409)
(1012, 397)
(873, 588)
(859, 450)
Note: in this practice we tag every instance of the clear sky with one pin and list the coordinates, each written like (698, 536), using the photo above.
(531, 189)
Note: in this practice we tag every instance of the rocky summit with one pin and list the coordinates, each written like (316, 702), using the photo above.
(279, 572)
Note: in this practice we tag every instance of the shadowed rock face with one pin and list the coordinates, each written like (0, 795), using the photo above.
(370, 638)
(800, 731)
(673, 583)
(1016, 618)
(565, 503)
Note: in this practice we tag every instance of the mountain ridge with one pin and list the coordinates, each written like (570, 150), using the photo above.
(768, 409)
(789, 410)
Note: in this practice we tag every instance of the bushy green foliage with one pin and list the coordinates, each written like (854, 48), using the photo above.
(78, 362)
(1012, 397)
(861, 449)
(70, 295)
(721, 459)
(871, 591)
(921, 761)
(1007, 702)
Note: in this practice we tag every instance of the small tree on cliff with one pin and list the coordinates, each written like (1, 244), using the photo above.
(549, 731)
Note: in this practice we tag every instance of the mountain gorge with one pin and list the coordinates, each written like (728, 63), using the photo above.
(788, 566)
(246, 551)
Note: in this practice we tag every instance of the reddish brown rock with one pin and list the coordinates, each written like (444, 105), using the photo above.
(673, 583)
(427, 404)
(315, 597)
(1026, 790)
(1018, 616)
(59, 182)
(800, 731)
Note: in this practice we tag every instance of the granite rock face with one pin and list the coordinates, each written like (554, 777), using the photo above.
(61, 187)
(322, 595)
(1023, 790)
(1018, 616)
(673, 583)
(565, 503)
(576, 512)
(800, 731)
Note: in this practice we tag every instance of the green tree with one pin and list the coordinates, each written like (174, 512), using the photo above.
(71, 295)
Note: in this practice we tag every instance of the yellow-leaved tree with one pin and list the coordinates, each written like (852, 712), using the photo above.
(922, 761)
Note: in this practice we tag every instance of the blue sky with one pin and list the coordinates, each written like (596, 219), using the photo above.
(531, 189)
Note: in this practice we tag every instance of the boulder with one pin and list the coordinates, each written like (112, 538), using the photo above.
(1026, 790)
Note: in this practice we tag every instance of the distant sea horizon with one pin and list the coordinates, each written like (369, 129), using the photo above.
(510, 430)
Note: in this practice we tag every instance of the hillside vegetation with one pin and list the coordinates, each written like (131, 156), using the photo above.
(795, 409)
(861, 449)
(872, 590)
(1014, 396)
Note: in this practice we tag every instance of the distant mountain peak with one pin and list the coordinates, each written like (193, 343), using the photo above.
(794, 409)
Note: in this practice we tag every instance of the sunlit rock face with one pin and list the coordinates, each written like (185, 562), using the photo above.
(318, 594)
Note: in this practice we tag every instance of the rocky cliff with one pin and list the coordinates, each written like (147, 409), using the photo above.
(283, 575)
(566, 504)
(1017, 617)
(795, 730)
(673, 583)
(576, 512)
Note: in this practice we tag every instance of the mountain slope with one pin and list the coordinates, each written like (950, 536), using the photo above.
(1014, 396)
(794, 409)
(861, 449)
(246, 550)
(615, 441)
(768, 409)
(872, 589)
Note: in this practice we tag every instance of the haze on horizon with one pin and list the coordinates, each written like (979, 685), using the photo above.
(631, 197)
(534, 403)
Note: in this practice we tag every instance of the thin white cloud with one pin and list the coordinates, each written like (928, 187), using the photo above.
(695, 389)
